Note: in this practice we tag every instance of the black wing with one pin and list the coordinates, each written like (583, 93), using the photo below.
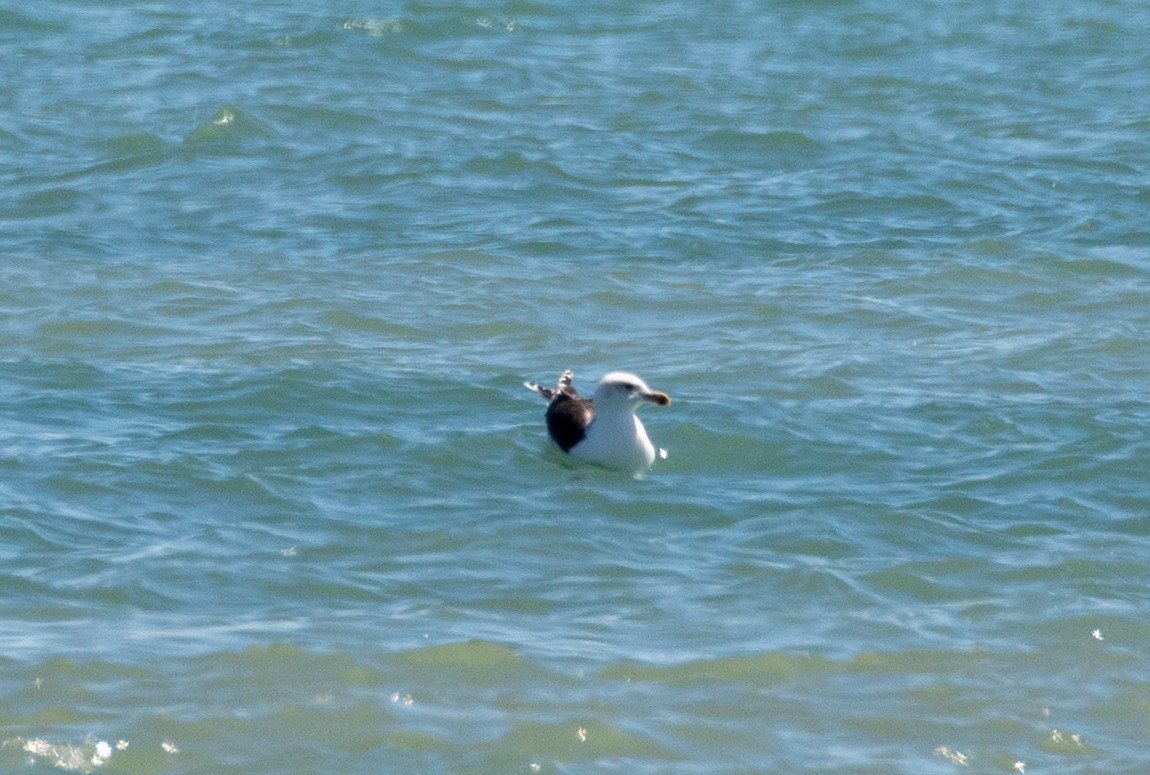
(568, 416)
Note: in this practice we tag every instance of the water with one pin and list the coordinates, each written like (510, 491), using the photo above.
(273, 497)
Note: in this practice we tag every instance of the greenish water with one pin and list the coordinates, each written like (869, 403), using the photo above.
(273, 499)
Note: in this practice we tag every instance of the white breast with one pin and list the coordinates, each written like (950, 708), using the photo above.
(617, 440)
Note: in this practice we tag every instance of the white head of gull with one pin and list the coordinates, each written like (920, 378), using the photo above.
(604, 429)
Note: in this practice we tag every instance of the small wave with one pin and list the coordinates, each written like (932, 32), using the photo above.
(86, 756)
(375, 27)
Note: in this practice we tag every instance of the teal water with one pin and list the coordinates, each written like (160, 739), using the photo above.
(273, 498)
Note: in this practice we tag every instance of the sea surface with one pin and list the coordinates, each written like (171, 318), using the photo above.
(273, 499)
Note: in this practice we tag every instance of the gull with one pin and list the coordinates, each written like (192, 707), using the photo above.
(603, 429)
